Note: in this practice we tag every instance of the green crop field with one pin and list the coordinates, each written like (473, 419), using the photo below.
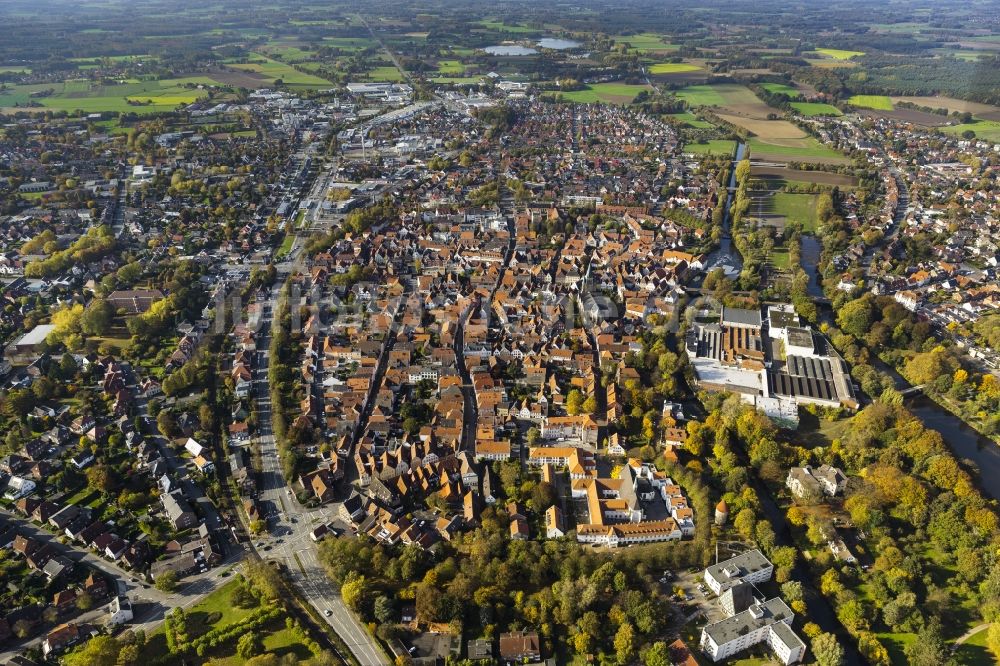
(877, 102)
(646, 42)
(783, 88)
(274, 69)
(673, 68)
(349, 43)
(714, 147)
(145, 96)
(988, 130)
(840, 54)
(701, 96)
(499, 26)
(613, 93)
(816, 109)
(691, 120)
(812, 148)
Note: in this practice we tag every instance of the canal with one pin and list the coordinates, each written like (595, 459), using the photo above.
(727, 256)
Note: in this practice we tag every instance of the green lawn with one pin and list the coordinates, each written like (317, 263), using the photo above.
(385, 73)
(813, 149)
(779, 258)
(840, 54)
(691, 120)
(895, 644)
(458, 80)
(984, 129)
(816, 109)
(796, 208)
(673, 68)
(450, 67)
(877, 102)
(646, 41)
(274, 69)
(713, 147)
(975, 652)
(613, 93)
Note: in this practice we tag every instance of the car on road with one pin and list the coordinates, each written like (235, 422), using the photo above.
(327, 612)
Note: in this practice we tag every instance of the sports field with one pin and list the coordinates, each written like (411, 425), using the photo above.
(673, 68)
(840, 54)
(612, 93)
(646, 42)
(876, 102)
(274, 70)
(816, 109)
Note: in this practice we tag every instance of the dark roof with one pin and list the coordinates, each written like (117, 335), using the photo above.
(740, 317)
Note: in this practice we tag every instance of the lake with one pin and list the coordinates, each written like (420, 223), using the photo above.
(509, 50)
(558, 44)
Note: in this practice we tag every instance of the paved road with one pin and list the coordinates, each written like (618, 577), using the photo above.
(289, 521)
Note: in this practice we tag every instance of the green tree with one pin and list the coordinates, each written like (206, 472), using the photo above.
(827, 650)
(249, 645)
(98, 651)
(574, 402)
(625, 643)
(658, 654)
(166, 582)
(353, 592)
(97, 318)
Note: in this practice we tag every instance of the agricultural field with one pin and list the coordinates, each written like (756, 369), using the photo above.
(806, 149)
(673, 68)
(136, 96)
(816, 109)
(733, 97)
(500, 26)
(984, 111)
(272, 70)
(777, 176)
(782, 88)
(713, 147)
(349, 43)
(840, 54)
(877, 102)
(646, 42)
(610, 93)
(457, 80)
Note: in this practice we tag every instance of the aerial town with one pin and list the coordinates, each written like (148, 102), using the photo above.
(464, 334)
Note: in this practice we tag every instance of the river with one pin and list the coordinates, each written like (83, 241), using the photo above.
(726, 256)
(982, 453)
